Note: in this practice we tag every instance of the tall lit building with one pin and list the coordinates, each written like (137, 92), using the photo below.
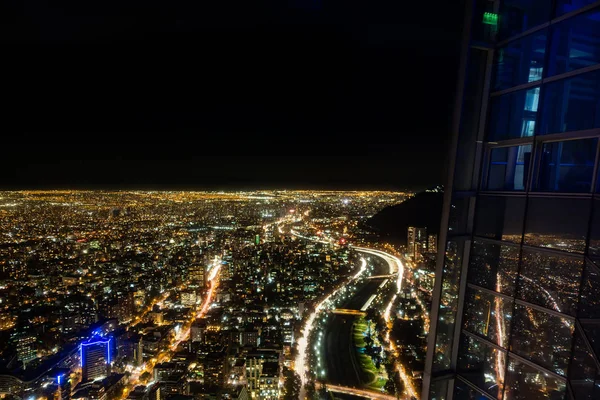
(517, 293)
(25, 344)
(95, 358)
(415, 239)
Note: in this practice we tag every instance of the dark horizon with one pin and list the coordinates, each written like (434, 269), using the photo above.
(295, 94)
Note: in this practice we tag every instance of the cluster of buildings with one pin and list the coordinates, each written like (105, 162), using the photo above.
(158, 295)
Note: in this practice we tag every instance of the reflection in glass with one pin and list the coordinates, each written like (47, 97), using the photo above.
(584, 375)
(542, 338)
(557, 223)
(567, 166)
(448, 305)
(459, 213)
(589, 304)
(438, 390)
(594, 245)
(520, 61)
(462, 391)
(488, 316)
(517, 16)
(494, 266)
(575, 43)
(500, 217)
(550, 280)
(571, 104)
(566, 6)
(591, 329)
(513, 114)
(508, 168)
(482, 365)
(524, 382)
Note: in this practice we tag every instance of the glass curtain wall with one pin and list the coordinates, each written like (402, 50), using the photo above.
(516, 305)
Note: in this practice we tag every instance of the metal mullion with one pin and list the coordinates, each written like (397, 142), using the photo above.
(472, 386)
(522, 86)
(502, 193)
(482, 153)
(573, 13)
(489, 291)
(570, 74)
(453, 148)
(466, 254)
(589, 261)
(594, 179)
(483, 340)
(544, 309)
(560, 195)
(511, 142)
(570, 135)
(523, 34)
(556, 20)
(535, 366)
(587, 344)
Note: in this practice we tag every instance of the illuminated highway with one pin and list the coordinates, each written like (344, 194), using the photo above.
(369, 394)
(342, 365)
(301, 365)
(183, 335)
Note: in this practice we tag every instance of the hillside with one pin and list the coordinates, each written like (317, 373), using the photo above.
(424, 209)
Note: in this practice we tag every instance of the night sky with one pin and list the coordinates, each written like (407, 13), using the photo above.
(227, 94)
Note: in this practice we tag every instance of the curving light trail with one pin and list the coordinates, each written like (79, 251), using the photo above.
(396, 266)
(301, 363)
(369, 394)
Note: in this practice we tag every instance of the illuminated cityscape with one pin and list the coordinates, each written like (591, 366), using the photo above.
(300, 200)
(233, 295)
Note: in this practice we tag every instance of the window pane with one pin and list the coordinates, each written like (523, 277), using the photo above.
(438, 390)
(508, 168)
(584, 375)
(551, 281)
(462, 391)
(500, 217)
(517, 16)
(488, 316)
(575, 43)
(542, 338)
(482, 365)
(567, 166)
(566, 6)
(520, 61)
(527, 383)
(448, 305)
(494, 266)
(513, 114)
(459, 214)
(594, 247)
(557, 223)
(589, 305)
(571, 104)
(591, 329)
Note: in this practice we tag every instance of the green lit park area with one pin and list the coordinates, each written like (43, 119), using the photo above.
(368, 355)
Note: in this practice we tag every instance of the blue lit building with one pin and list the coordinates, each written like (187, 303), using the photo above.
(95, 358)
(516, 302)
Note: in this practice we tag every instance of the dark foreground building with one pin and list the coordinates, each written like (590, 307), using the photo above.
(516, 305)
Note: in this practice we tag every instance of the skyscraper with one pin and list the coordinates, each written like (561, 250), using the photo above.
(517, 291)
(95, 358)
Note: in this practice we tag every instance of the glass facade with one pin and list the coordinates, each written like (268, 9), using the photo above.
(516, 305)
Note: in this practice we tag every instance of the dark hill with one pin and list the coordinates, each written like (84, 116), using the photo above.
(424, 209)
